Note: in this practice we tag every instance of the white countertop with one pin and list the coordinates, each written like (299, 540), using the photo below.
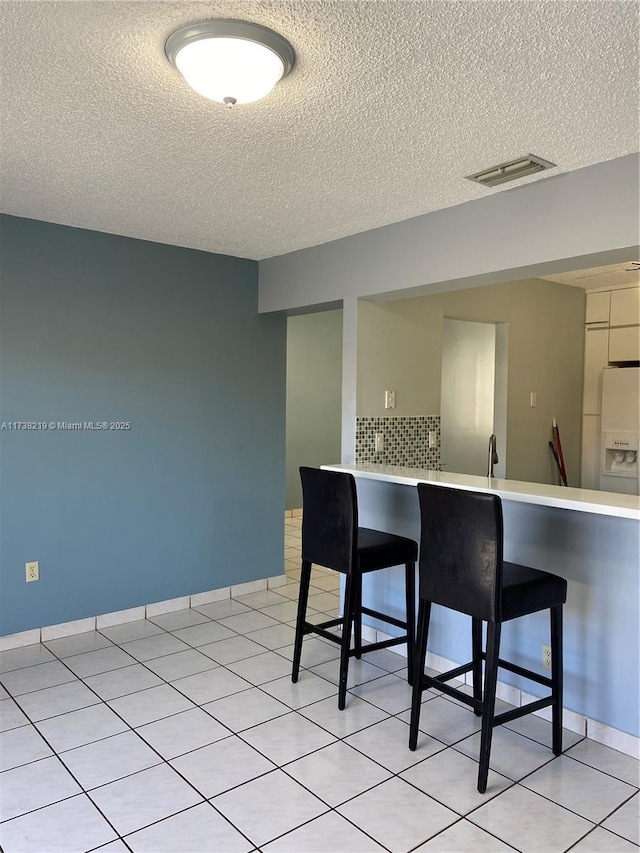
(580, 500)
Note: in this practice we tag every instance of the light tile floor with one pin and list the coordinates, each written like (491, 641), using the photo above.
(185, 733)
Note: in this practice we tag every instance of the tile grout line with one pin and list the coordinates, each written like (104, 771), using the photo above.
(282, 767)
(163, 760)
(297, 710)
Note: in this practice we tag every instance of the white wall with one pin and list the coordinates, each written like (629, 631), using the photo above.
(400, 347)
(579, 219)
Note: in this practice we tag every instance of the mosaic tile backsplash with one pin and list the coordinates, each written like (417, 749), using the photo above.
(406, 441)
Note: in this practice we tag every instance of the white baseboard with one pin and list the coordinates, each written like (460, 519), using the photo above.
(210, 596)
(79, 626)
(16, 641)
(247, 588)
(119, 617)
(614, 738)
(370, 635)
(170, 606)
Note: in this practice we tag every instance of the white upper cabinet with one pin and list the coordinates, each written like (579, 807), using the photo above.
(598, 307)
(625, 306)
(624, 344)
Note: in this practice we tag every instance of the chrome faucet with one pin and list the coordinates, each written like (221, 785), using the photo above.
(493, 454)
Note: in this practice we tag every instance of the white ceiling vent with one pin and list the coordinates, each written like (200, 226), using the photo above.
(511, 171)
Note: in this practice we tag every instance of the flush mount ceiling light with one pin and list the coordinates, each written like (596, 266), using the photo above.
(520, 168)
(233, 62)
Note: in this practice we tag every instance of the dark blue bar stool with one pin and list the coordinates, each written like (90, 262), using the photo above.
(331, 538)
(461, 567)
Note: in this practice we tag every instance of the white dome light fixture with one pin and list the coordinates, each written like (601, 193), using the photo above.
(233, 62)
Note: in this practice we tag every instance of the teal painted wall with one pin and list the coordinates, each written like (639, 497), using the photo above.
(95, 327)
(314, 395)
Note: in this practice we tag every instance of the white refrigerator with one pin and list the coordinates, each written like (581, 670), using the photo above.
(619, 430)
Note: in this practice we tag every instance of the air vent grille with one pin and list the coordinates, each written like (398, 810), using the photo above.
(511, 171)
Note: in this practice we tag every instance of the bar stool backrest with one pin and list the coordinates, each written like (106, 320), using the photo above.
(461, 550)
(329, 519)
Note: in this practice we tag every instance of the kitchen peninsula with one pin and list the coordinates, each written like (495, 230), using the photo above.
(590, 538)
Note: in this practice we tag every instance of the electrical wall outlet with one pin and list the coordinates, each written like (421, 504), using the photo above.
(432, 438)
(32, 571)
(379, 442)
(546, 656)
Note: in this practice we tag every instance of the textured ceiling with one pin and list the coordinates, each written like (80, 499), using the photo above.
(389, 105)
(612, 276)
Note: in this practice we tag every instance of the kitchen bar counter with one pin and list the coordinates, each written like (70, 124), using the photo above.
(580, 500)
(590, 538)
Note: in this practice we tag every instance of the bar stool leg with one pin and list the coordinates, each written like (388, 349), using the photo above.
(303, 595)
(350, 600)
(556, 678)
(476, 646)
(410, 602)
(424, 612)
(489, 702)
(357, 615)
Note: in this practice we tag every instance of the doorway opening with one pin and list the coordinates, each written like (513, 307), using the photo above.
(314, 396)
(473, 395)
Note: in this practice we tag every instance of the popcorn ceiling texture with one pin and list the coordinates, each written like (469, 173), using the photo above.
(389, 105)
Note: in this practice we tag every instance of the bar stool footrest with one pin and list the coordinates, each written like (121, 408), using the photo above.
(383, 617)
(454, 692)
(522, 711)
(525, 673)
(438, 682)
(331, 623)
(321, 631)
(452, 673)
(382, 644)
